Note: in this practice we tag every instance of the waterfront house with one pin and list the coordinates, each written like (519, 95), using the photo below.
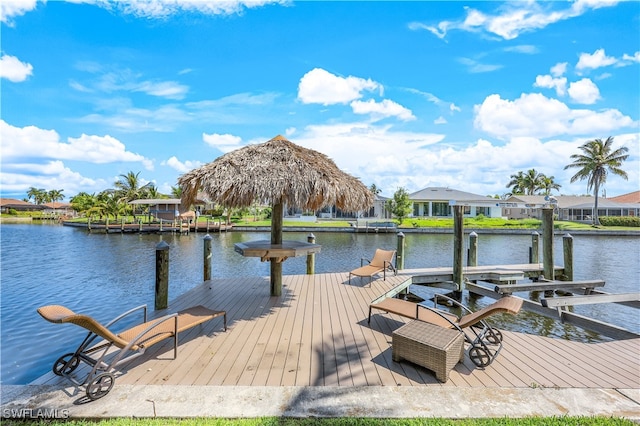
(438, 202)
(59, 209)
(567, 207)
(7, 204)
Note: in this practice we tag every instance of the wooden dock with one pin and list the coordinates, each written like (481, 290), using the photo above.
(151, 228)
(316, 334)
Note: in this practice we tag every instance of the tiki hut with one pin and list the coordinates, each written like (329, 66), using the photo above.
(277, 172)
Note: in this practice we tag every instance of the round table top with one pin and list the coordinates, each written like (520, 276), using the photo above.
(265, 250)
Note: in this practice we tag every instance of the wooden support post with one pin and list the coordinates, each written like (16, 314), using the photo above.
(472, 259)
(458, 255)
(106, 225)
(534, 252)
(400, 252)
(162, 275)
(207, 225)
(547, 243)
(276, 238)
(311, 257)
(567, 249)
(140, 226)
(89, 225)
(122, 225)
(207, 257)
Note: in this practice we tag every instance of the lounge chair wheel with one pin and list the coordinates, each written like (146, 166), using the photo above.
(66, 364)
(494, 336)
(100, 385)
(479, 356)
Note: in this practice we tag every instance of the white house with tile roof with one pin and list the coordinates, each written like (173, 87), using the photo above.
(438, 202)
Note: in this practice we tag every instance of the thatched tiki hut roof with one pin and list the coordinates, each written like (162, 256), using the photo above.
(276, 172)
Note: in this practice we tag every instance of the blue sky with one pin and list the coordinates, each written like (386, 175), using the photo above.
(399, 94)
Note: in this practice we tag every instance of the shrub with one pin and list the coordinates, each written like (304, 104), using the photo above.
(13, 212)
(630, 221)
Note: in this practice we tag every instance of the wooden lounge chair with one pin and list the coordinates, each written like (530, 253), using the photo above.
(116, 348)
(382, 260)
(411, 310)
(485, 341)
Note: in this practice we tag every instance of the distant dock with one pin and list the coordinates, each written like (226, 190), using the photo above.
(178, 227)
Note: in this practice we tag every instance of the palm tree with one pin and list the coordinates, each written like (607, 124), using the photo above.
(517, 184)
(531, 181)
(128, 187)
(55, 195)
(547, 183)
(596, 161)
(374, 189)
(176, 191)
(83, 202)
(39, 195)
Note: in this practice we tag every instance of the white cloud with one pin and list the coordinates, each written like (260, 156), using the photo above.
(12, 8)
(596, 60)
(397, 159)
(440, 120)
(437, 101)
(165, 9)
(534, 115)
(549, 82)
(387, 151)
(182, 167)
(384, 109)
(321, 87)
(224, 143)
(526, 49)
(631, 58)
(129, 119)
(512, 19)
(478, 67)
(584, 91)
(13, 69)
(163, 89)
(32, 143)
(559, 69)
(16, 178)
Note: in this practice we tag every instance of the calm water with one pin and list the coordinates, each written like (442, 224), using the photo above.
(103, 275)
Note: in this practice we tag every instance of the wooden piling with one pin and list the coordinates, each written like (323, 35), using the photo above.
(276, 238)
(567, 250)
(207, 257)
(534, 250)
(547, 243)
(472, 258)
(311, 257)
(162, 275)
(400, 252)
(458, 248)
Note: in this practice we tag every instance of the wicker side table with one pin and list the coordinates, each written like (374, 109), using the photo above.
(433, 347)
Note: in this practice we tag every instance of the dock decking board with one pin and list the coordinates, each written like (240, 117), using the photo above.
(317, 334)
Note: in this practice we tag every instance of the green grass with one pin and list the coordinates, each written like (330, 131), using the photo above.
(279, 421)
(473, 223)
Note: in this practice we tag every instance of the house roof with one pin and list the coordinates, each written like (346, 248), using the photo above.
(13, 202)
(447, 194)
(19, 204)
(57, 205)
(570, 201)
(175, 201)
(632, 197)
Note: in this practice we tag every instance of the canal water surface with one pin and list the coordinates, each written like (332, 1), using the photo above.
(103, 275)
